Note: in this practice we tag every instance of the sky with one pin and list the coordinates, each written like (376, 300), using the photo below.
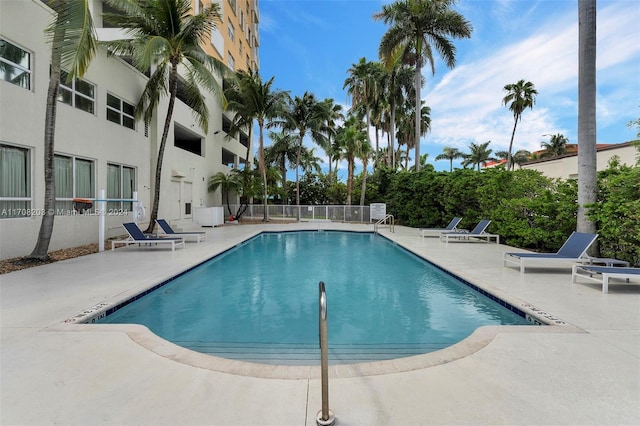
(308, 45)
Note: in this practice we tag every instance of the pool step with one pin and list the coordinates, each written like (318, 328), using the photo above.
(308, 354)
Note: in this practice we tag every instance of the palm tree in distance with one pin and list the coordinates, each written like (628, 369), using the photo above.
(282, 153)
(351, 137)
(73, 45)
(449, 153)
(417, 28)
(480, 155)
(520, 96)
(305, 114)
(162, 36)
(556, 146)
(252, 99)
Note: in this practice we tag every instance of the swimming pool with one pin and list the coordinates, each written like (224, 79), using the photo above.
(258, 302)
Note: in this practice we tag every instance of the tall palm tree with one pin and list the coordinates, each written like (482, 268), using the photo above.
(449, 153)
(163, 36)
(365, 153)
(362, 85)
(480, 155)
(520, 96)
(252, 99)
(333, 113)
(305, 114)
(418, 27)
(587, 175)
(557, 145)
(73, 45)
(227, 182)
(351, 137)
(282, 153)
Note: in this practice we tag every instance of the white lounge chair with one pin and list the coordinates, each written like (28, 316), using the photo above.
(604, 274)
(435, 232)
(573, 250)
(168, 230)
(136, 236)
(476, 234)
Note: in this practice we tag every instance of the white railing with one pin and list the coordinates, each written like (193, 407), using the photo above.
(331, 213)
(388, 219)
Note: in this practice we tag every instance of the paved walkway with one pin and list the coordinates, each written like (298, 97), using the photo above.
(584, 371)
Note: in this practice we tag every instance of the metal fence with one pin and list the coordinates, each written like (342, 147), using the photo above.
(360, 214)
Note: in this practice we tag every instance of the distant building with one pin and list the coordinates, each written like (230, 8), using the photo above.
(566, 166)
(98, 143)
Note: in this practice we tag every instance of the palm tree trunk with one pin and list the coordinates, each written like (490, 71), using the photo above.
(297, 177)
(173, 89)
(263, 173)
(587, 176)
(41, 249)
(418, 79)
(364, 184)
(393, 135)
(513, 133)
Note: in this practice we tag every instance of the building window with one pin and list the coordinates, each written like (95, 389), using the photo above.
(15, 64)
(231, 63)
(74, 179)
(78, 93)
(15, 182)
(121, 182)
(120, 112)
(231, 30)
(233, 5)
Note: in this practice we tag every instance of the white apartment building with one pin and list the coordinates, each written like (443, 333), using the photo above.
(98, 144)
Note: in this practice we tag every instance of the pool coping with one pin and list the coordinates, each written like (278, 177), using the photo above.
(480, 338)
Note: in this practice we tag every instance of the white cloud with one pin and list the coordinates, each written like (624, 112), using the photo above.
(466, 103)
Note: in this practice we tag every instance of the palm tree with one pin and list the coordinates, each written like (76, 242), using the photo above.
(73, 45)
(282, 153)
(365, 154)
(480, 155)
(163, 36)
(520, 96)
(351, 137)
(521, 156)
(449, 153)
(556, 146)
(305, 114)
(418, 27)
(362, 85)
(333, 113)
(227, 182)
(252, 99)
(587, 175)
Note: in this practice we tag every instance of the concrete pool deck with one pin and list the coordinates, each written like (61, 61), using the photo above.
(586, 371)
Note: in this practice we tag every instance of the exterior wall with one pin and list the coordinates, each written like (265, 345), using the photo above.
(90, 136)
(567, 167)
(243, 16)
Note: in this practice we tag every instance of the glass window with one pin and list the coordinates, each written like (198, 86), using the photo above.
(231, 63)
(120, 112)
(15, 182)
(121, 182)
(232, 33)
(79, 93)
(75, 178)
(15, 64)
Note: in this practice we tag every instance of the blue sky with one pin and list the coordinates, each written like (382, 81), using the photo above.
(308, 45)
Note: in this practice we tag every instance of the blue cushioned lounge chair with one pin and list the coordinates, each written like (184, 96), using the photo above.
(136, 236)
(573, 250)
(435, 232)
(603, 274)
(476, 234)
(166, 228)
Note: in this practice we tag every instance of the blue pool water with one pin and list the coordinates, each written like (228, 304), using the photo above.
(259, 302)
